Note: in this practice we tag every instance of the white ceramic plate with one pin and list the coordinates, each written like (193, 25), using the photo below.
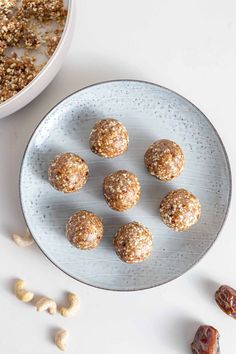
(149, 112)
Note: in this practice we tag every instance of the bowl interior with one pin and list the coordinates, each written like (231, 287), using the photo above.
(49, 69)
(149, 112)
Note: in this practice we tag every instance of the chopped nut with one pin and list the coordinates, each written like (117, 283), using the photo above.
(6, 6)
(45, 10)
(15, 74)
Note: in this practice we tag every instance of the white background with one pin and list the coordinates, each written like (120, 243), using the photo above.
(190, 47)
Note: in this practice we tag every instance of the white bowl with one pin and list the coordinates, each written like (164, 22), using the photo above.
(47, 74)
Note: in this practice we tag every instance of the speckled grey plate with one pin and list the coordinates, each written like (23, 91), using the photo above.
(149, 112)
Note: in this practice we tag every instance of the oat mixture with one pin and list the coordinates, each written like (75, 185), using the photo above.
(133, 242)
(180, 210)
(84, 230)
(68, 172)
(121, 190)
(164, 159)
(24, 33)
(109, 138)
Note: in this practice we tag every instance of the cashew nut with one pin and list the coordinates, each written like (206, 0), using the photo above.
(21, 293)
(60, 339)
(73, 307)
(23, 241)
(46, 304)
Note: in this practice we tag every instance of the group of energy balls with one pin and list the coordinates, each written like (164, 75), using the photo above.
(164, 159)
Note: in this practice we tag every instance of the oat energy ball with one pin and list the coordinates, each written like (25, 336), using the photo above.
(121, 190)
(84, 230)
(68, 172)
(180, 210)
(133, 242)
(164, 159)
(109, 138)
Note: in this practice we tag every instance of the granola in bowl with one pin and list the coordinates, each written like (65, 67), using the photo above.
(30, 31)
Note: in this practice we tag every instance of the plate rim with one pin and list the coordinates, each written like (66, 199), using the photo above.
(170, 91)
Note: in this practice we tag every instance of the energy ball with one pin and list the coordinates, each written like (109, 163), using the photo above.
(133, 242)
(109, 138)
(180, 210)
(68, 172)
(84, 230)
(121, 190)
(164, 159)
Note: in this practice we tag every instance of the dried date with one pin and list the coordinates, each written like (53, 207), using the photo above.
(206, 341)
(225, 298)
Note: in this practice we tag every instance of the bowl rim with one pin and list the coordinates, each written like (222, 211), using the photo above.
(46, 67)
(227, 164)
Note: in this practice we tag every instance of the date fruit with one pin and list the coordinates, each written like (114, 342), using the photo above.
(225, 298)
(206, 341)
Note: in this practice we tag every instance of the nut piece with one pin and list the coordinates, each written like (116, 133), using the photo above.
(68, 172)
(164, 159)
(225, 298)
(23, 241)
(206, 341)
(45, 11)
(60, 339)
(109, 138)
(73, 307)
(21, 293)
(84, 230)
(6, 7)
(121, 190)
(46, 304)
(180, 210)
(133, 242)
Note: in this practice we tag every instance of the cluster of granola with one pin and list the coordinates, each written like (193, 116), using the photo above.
(15, 74)
(27, 25)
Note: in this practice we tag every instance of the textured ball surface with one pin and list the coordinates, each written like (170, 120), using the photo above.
(84, 230)
(180, 210)
(133, 242)
(121, 190)
(109, 138)
(68, 172)
(164, 159)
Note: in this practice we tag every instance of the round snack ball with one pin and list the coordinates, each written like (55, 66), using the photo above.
(68, 172)
(84, 230)
(109, 138)
(121, 190)
(180, 210)
(133, 242)
(164, 159)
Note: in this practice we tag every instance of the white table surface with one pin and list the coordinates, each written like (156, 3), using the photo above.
(190, 47)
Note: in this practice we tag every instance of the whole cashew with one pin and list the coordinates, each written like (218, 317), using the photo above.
(46, 304)
(21, 293)
(23, 241)
(60, 339)
(73, 307)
